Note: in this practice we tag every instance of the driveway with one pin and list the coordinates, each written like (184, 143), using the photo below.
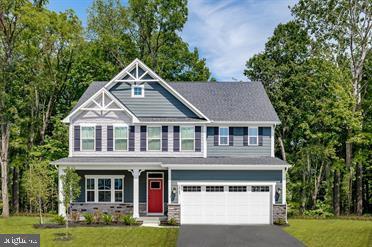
(234, 236)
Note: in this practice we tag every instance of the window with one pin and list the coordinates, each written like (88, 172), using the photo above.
(214, 188)
(237, 188)
(224, 136)
(90, 190)
(187, 138)
(121, 138)
(155, 185)
(108, 189)
(138, 91)
(252, 136)
(260, 188)
(87, 138)
(154, 138)
(191, 188)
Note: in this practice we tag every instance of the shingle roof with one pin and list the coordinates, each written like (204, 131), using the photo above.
(219, 101)
(173, 160)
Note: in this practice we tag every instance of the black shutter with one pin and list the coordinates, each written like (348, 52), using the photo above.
(197, 138)
(260, 136)
(231, 136)
(76, 138)
(176, 138)
(164, 138)
(98, 138)
(216, 133)
(143, 138)
(110, 138)
(245, 136)
(132, 130)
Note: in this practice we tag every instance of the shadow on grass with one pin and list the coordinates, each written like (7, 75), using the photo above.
(61, 236)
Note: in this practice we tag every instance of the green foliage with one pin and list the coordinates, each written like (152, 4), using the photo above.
(128, 220)
(107, 218)
(89, 218)
(322, 210)
(172, 222)
(59, 219)
(97, 215)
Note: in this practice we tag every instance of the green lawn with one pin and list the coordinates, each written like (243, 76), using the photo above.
(331, 233)
(93, 236)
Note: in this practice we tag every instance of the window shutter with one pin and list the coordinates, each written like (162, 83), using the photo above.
(245, 136)
(231, 136)
(143, 138)
(176, 138)
(216, 135)
(164, 138)
(132, 130)
(77, 138)
(110, 137)
(260, 136)
(197, 138)
(98, 138)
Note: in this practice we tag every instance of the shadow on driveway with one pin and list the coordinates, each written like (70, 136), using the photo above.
(234, 236)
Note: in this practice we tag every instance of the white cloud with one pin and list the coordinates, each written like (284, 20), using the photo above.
(228, 32)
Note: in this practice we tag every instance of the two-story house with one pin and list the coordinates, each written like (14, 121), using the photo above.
(198, 152)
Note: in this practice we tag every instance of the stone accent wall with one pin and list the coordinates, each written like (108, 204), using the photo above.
(279, 213)
(174, 211)
(111, 208)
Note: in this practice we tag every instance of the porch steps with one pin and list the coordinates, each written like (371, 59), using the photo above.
(153, 221)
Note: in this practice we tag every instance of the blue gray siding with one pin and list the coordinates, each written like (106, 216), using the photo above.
(158, 102)
(238, 148)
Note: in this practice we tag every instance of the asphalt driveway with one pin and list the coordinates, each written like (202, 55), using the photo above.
(234, 236)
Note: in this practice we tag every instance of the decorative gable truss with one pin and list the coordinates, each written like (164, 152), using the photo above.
(137, 73)
(101, 103)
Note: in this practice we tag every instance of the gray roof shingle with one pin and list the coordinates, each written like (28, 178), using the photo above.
(93, 88)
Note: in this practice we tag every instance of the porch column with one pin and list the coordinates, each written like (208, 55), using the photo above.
(61, 206)
(136, 173)
(284, 183)
(169, 186)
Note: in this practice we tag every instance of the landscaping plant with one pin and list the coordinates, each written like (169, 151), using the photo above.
(107, 218)
(89, 218)
(129, 220)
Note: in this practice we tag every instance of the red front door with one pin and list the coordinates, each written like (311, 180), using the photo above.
(155, 195)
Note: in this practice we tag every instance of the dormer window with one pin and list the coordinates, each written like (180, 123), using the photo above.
(138, 91)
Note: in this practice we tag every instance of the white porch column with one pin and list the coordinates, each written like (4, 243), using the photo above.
(61, 206)
(284, 183)
(169, 186)
(136, 173)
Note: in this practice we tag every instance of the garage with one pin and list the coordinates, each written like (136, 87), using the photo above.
(226, 204)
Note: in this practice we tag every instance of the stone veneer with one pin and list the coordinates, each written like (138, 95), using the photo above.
(174, 212)
(111, 208)
(279, 213)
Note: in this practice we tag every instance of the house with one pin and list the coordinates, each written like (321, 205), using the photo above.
(197, 152)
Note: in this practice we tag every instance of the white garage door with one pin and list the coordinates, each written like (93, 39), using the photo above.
(225, 204)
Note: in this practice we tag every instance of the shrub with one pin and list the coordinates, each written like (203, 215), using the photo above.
(107, 218)
(59, 219)
(129, 220)
(89, 218)
(97, 216)
(116, 216)
(75, 216)
(322, 210)
(172, 222)
(280, 221)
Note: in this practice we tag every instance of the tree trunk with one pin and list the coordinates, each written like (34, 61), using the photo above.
(5, 132)
(303, 194)
(348, 158)
(317, 181)
(336, 192)
(282, 149)
(15, 201)
(46, 119)
(359, 189)
(40, 211)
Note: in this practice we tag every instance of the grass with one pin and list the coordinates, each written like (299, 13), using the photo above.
(93, 236)
(333, 232)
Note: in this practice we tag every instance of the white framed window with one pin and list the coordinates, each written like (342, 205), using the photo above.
(260, 188)
(87, 138)
(187, 138)
(191, 188)
(154, 138)
(223, 136)
(214, 189)
(138, 91)
(120, 138)
(104, 189)
(253, 136)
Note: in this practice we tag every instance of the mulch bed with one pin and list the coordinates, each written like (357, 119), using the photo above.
(83, 224)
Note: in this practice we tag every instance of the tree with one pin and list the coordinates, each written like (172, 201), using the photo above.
(39, 184)
(71, 190)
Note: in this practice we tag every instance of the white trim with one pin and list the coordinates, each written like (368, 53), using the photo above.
(112, 189)
(272, 151)
(114, 139)
(94, 137)
(169, 186)
(219, 135)
(205, 148)
(136, 174)
(147, 137)
(236, 123)
(187, 126)
(284, 186)
(142, 91)
(113, 98)
(147, 192)
(249, 136)
(225, 167)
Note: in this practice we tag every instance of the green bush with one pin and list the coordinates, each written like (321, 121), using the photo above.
(107, 219)
(89, 218)
(321, 210)
(59, 219)
(97, 216)
(280, 222)
(129, 220)
(172, 222)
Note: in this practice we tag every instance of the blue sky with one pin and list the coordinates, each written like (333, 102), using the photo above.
(226, 32)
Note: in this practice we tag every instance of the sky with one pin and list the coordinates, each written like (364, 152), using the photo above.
(226, 32)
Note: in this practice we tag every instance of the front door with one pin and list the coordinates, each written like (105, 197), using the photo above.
(155, 195)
